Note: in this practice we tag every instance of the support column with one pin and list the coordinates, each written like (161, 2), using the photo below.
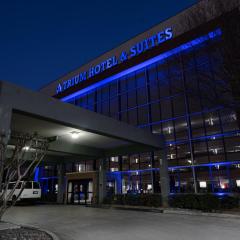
(102, 180)
(164, 177)
(5, 134)
(5, 122)
(61, 183)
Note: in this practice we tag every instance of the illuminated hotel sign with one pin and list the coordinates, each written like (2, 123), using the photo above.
(135, 50)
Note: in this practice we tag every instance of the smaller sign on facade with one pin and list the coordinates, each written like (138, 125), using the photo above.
(135, 50)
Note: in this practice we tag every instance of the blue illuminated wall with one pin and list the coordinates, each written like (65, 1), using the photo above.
(178, 94)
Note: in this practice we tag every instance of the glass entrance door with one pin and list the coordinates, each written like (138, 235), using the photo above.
(80, 191)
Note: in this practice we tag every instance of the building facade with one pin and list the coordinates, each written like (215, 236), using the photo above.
(170, 80)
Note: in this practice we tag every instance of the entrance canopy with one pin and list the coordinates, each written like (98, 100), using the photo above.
(79, 132)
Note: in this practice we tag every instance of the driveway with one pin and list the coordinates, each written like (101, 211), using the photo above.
(82, 223)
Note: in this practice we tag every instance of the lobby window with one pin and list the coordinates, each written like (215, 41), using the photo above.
(89, 165)
(146, 182)
(145, 161)
(114, 164)
(204, 180)
(80, 167)
(186, 183)
(134, 162)
(125, 163)
(220, 178)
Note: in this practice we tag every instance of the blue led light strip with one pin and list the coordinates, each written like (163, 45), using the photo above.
(211, 137)
(160, 57)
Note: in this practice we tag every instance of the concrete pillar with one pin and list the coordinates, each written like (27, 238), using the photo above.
(102, 180)
(5, 134)
(164, 177)
(5, 122)
(61, 183)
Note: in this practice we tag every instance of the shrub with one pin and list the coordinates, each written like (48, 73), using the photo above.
(150, 200)
(205, 202)
(229, 202)
(208, 203)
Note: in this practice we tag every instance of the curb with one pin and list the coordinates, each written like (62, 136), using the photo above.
(193, 213)
(173, 211)
(53, 235)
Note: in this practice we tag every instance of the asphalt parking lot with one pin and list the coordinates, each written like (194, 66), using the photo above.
(84, 223)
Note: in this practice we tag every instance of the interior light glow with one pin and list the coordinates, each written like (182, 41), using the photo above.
(210, 121)
(238, 183)
(203, 184)
(149, 187)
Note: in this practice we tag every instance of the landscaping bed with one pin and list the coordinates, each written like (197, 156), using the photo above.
(203, 202)
(24, 233)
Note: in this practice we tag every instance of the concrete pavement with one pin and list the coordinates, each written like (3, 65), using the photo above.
(81, 223)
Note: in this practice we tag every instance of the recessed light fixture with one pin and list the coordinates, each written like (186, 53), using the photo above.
(75, 135)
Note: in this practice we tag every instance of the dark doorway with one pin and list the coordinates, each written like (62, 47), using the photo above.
(80, 191)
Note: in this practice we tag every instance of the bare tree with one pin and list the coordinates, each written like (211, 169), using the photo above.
(17, 161)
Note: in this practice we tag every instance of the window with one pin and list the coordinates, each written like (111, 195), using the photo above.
(36, 185)
(155, 112)
(197, 125)
(141, 96)
(166, 108)
(200, 153)
(179, 106)
(143, 115)
(28, 185)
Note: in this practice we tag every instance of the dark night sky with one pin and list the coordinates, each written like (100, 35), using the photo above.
(43, 39)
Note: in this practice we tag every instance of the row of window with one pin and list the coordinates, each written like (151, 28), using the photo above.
(218, 178)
